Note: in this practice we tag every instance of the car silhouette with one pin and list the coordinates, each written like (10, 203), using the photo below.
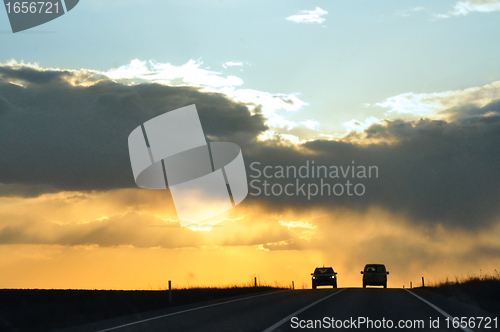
(375, 275)
(324, 276)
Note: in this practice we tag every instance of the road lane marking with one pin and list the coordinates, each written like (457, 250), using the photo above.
(187, 310)
(442, 312)
(281, 322)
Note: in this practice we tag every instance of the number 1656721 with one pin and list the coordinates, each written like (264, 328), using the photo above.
(40, 7)
(472, 322)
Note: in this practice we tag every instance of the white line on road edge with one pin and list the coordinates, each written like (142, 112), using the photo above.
(442, 312)
(187, 310)
(281, 322)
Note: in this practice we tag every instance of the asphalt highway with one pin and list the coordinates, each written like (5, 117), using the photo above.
(347, 309)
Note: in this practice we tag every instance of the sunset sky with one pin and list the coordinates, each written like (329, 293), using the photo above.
(411, 88)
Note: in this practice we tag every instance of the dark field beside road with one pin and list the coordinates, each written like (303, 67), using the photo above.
(482, 292)
(45, 310)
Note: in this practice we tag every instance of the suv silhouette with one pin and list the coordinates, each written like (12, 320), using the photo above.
(324, 276)
(375, 275)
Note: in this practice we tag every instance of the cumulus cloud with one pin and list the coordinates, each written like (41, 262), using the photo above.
(309, 16)
(449, 104)
(188, 75)
(463, 8)
(57, 134)
(269, 104)
(360, 126)
(60, 136)
(64, 162)
(432, 171)
(191, 74)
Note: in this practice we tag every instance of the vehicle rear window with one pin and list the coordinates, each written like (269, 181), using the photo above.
(375, 268)
(323, 270)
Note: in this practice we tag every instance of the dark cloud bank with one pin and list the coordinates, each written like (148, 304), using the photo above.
(62, 137)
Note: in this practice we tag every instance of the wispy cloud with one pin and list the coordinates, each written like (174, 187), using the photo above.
(232, 64)
(463, 8)
(409, 11)
(309, 16)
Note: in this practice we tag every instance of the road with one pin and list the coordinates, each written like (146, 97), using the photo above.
(356, 308)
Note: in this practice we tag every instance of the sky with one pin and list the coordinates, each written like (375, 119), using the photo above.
(409, 88)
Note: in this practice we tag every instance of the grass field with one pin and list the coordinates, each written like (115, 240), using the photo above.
(482, 291)
(44, 310)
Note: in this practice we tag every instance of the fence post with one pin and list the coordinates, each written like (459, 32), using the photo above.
(423, 284)
(411, 286)
(255, 282)
(170, 291)
(293, 285)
